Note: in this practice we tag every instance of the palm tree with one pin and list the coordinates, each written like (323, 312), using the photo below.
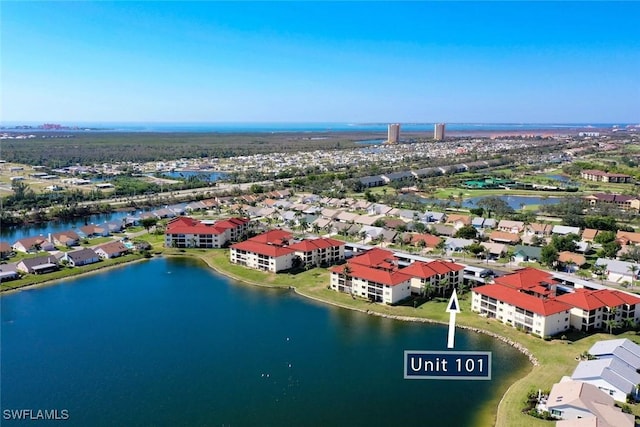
(600, 270)
(611, 321)
(315, 228)
(633, 269)
(443, 284)
(427, 289)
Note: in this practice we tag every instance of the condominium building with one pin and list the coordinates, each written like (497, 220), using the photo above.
(393, 133)
(438, 131)
(185, 232)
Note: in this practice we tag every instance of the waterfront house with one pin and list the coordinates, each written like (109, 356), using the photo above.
(38, 265)
(32, 244)
(80, 257)
(65, 238)
(8, 272)
(111, 250)
(584, 404)
(93, 230)
(611, 375)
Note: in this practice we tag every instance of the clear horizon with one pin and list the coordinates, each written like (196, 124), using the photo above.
(311, 62)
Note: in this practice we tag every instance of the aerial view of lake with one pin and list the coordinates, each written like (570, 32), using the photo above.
(11, 234)
(170, 342)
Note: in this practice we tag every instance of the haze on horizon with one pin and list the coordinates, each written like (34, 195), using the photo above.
(467, 62)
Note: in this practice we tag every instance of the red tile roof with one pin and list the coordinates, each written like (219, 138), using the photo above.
(592, 300)
(503, 236)
(262, 248)
(374, 257)
(377, 275)
(276, 236)
(313, 244)
(186, 225)
(543, 307)
(526, 278)
(430, 240)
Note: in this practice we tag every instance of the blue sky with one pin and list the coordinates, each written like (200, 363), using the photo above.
(307, 61)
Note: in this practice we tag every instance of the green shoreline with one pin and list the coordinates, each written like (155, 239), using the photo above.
(549, 360)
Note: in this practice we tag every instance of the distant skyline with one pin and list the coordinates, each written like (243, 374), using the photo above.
(347, 62)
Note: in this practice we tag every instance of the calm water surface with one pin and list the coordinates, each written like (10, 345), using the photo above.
(168, 342)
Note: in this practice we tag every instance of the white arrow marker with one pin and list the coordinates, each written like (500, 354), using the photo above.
(452, 308)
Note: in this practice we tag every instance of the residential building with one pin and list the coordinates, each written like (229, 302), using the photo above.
(620, 201)
(542, 317)
(439, 131)
(564, 230)
(619, 271)
(65, 238)
(393, 133)
(611, 375)
(442, 275)
(80, 257)
(577, 400)
(504, 237)
(601, 176)
(595, 309)
(523, 253)
(262, 256)
(627, 237)
(317, 252)
(38, 265)
(373, 275)
(32, 244)
(185, 232)
(275, 251)
(5, 250)
(111, 250)
(509, 226)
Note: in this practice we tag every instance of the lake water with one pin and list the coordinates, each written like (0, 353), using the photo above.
(11, 234)
(168, 342)
(516, 201)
